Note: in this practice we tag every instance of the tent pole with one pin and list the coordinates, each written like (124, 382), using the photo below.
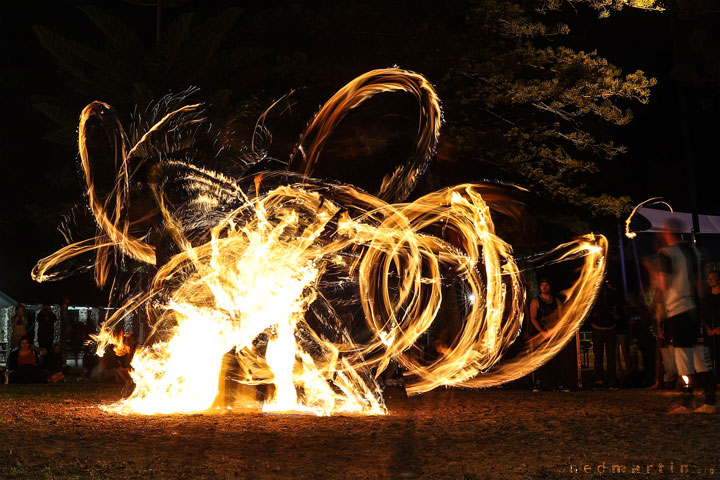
(621, 247)
(637, 268)
(686, 132)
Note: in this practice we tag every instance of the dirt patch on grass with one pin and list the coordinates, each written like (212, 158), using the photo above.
(58, 432)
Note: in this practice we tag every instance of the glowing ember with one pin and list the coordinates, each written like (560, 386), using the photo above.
(258, 267)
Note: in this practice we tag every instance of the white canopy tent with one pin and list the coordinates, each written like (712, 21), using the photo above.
(6, 301)
(709, 224)
(7, 307)
(650, 220)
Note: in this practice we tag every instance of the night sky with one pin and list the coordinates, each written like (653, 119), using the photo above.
(39, 174)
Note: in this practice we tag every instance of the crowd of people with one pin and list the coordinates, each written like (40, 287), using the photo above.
(677, 334)
(26, 365)
(682, 324)
(38, 353)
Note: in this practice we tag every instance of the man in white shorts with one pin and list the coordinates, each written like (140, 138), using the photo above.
(678, 281)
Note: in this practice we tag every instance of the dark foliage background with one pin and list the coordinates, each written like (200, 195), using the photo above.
(591, 114)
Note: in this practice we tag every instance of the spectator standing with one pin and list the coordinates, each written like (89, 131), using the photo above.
(89, 353)
(603, 320)
(665, 369)
(640, 325)
(31, 327)
(46, 320)
(19, 325)
(545, 311)
(679, 284)
(624, 339)
(711, 320)
(65, 323)
(77, 339)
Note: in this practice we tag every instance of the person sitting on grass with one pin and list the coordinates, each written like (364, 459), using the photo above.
(128, 351)
(107, 367)
(23, 365)
(54, 362)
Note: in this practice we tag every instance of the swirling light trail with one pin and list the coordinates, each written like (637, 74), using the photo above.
(252, 265)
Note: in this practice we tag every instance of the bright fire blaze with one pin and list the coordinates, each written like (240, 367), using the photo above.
(250, 275)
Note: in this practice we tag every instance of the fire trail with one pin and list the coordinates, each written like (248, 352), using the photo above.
(269, 265)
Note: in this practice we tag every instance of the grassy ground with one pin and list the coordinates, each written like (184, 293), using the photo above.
(57, 432)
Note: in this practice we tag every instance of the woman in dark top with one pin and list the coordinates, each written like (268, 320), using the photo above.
(55, 363)
(544, 314)
(603, 319)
